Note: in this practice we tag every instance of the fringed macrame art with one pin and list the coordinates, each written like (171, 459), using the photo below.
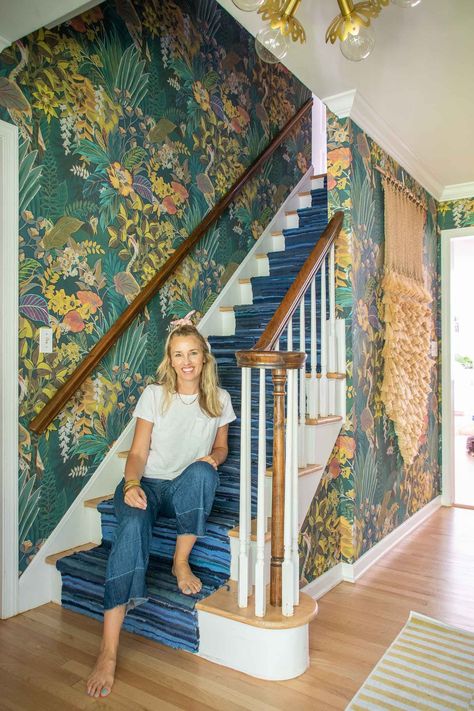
(406, 352)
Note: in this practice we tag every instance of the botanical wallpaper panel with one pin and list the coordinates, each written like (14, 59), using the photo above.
(366, 481)
(135, 118)
(454, 214)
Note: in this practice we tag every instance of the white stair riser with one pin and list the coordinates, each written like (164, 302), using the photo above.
(320, 440)
(263, 653)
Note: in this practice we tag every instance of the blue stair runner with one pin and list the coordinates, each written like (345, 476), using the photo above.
(169, 616)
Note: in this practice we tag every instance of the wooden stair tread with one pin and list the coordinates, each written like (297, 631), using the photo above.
(291, 212)
(224, 603)
(225, 309)
(323, 420)
(261, 255)
(244, 281)
(123, 454)
(51, 559)
(302, 471)
(235, 532)
(93, 503)
(331, 376)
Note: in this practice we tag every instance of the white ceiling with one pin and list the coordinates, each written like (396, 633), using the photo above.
(418, 82)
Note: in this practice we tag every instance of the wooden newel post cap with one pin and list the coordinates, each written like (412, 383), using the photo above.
(289, 360)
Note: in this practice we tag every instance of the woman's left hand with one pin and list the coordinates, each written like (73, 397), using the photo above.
(209, 459)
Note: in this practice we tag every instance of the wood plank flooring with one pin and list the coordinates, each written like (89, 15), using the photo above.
(46, 654)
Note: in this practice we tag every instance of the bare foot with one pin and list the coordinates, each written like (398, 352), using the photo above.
(188, 583)
(101, 679)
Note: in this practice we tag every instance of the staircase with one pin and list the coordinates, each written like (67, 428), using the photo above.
(170, 617)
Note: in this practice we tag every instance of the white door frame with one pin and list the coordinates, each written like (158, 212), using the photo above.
(9, 370)
(447, 417)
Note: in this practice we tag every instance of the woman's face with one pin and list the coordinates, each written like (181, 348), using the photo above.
(187, 360)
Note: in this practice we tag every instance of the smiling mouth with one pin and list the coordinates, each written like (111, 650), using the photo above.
(187, 370)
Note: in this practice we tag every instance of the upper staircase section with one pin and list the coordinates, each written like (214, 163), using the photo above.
(102, 347)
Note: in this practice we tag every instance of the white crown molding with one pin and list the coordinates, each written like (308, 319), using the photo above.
(352, 104)
(341, 104)
(457, 192)
(4, 43)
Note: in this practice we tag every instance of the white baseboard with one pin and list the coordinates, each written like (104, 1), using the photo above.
(326, 582)
(350, 572)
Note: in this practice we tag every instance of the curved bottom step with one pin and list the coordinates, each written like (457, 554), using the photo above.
(274, 647)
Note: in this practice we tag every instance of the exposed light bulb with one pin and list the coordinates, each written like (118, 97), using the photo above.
(406, 3)
(359, 44)
(248, 5)
(271, 45)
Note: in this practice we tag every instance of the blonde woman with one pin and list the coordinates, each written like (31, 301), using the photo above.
(180, 440)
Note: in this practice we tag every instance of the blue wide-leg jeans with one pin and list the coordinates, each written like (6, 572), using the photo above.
(188, 499)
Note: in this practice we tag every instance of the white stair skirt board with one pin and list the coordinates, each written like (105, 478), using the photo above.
(320, 440)
(351, 572)
(264, 653)
(41, 583)
(307, 488)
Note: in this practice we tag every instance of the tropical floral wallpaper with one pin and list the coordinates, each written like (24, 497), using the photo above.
(135, 118)
(367, 490)
(454, 214)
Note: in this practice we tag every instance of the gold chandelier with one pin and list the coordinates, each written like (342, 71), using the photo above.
(351, 26)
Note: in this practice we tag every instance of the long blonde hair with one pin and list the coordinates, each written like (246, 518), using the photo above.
(208, 384)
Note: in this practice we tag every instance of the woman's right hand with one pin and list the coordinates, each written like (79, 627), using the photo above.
(136, 498)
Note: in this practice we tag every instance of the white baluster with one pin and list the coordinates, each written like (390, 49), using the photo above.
(245, 512)
(294, 495)
(260, 589)
(341, 367)
(323, 393)
(332, 334)
(302, 389)
(287, 565)
(313, 380)
(290, 335)
(277, 345)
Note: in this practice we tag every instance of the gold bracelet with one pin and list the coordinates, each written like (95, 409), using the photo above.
(130, 484)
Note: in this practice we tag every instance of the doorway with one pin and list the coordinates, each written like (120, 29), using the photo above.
(462, 368)
(457, 338)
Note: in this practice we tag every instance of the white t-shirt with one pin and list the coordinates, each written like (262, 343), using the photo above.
(180, 435)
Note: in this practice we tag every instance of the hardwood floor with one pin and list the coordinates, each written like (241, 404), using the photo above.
(46, 654)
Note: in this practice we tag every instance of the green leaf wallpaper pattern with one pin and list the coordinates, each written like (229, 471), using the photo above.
(135, 119)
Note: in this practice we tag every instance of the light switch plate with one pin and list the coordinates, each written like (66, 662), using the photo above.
(46, 340)
(434, 349)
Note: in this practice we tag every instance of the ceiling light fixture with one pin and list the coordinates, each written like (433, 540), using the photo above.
(351, 26)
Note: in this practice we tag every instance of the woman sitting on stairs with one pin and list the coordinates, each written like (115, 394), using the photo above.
(180, 439)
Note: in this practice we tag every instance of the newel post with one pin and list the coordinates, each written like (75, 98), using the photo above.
(278, 486)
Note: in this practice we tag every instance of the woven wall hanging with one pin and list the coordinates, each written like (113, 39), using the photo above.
(406, 352)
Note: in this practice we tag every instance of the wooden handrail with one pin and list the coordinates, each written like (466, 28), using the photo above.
(101, 348)
(253, 358)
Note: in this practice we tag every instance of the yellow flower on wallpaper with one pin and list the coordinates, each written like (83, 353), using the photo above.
(100, 395)
(201, 95)
(347, 447)
(46, 100)
(338, 160)
(120, 179)
(347, 546)
(61, 303)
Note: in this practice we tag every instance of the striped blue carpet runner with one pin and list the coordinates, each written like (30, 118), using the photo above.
(170, 617)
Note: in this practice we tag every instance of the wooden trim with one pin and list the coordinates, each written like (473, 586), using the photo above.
(289, 360)
(93, 503)
(302, 471)
(323, 420)
(65, 392)
(288, 306)
(235, 532)
(51, 559)
(224, 603)
(336, 376)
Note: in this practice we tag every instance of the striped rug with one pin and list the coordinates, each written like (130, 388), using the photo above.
(430, 666)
